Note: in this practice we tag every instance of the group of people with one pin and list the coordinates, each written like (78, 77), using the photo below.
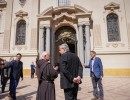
(12, 70)
(71, 73)
(5, 75)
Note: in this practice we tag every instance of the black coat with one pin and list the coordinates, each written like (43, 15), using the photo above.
(16, 69)
(70, 67)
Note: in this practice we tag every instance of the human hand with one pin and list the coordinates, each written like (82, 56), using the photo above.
(1, 64)
(84, 65)
(55, 68)
(101, 77)
(77, 80)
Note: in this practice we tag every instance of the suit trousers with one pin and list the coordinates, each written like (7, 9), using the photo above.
(4, 84)
(71, 93)
(32, 75)
(13, 86)
(97, 84)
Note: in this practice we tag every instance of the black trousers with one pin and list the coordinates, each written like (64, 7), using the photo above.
(32, 75)
(71, 93)
(4, 82)
(13, 86)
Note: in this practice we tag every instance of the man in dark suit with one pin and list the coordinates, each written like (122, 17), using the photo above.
(5, 74)
(96, 73)
(70, 72)
(16, 73)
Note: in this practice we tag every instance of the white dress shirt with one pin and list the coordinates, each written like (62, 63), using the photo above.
(93, 63)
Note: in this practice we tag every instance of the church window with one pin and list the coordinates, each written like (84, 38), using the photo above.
(20, 32)
(113, 28)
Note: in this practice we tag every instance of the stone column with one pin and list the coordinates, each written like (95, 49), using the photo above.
(34, 28)
(8, 23)
(81, 47)
(48, 40)
(88, 45)
(41, 40)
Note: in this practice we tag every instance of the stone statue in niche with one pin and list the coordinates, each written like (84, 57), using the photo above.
(22, 2)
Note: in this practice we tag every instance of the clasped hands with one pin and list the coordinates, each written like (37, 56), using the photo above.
(77, 80)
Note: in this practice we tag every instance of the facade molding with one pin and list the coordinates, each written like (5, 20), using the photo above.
(21, 14)
(3, 3)
(20, 47)
(112, 6)
(68, 11)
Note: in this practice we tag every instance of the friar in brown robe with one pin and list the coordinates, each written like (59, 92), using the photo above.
(46, 75)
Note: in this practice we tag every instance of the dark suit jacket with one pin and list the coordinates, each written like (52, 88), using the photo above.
(16, 69)
(97, 67)
(70, 67)
(32, 68)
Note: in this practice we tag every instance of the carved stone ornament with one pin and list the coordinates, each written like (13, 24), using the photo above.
(3, 3)
(22, 2)
(112, 6)
(115, 45)
(21, 13)
(19, 48)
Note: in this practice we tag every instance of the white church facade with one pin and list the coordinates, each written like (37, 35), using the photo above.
(30, 27)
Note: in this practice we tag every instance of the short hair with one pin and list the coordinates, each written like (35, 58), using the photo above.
(93, 52)
(64, 46)
(43, 54)
(19, 54)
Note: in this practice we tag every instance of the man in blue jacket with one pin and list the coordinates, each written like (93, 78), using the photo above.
(96, 73)
(16, 72)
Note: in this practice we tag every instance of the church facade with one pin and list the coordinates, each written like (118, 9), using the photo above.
(30, 27)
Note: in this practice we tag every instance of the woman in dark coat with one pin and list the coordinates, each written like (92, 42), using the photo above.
(46, 75)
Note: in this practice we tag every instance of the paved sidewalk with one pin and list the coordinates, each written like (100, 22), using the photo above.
(115, 88)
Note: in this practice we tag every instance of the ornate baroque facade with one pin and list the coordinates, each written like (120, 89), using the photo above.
(32, 26)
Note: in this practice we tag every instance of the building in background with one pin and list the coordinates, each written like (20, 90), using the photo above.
(32, 26)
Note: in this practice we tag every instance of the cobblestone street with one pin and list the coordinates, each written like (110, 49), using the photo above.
(115, 88)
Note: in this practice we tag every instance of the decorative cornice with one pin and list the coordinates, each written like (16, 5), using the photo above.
(21, 13)
(64, 14)
(68, 11)
(115, 45)
(112, 6)
(3, 3)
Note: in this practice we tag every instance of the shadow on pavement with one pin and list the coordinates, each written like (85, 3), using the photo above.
(26, 96)
(23, 87)
(3, 95)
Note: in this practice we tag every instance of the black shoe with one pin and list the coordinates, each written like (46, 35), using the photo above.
(3, 91)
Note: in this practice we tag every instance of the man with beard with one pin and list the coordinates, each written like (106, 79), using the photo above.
(46, 75)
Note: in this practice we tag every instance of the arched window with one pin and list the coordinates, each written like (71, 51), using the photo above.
(64, 2)
(20, 32)
(113, 28)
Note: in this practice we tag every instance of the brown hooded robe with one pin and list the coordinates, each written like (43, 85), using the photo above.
(46, 75)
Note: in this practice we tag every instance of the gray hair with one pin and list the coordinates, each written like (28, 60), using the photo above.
(65, 47)
(43, 55)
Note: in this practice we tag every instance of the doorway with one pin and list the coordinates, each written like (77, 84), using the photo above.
(65, 34)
